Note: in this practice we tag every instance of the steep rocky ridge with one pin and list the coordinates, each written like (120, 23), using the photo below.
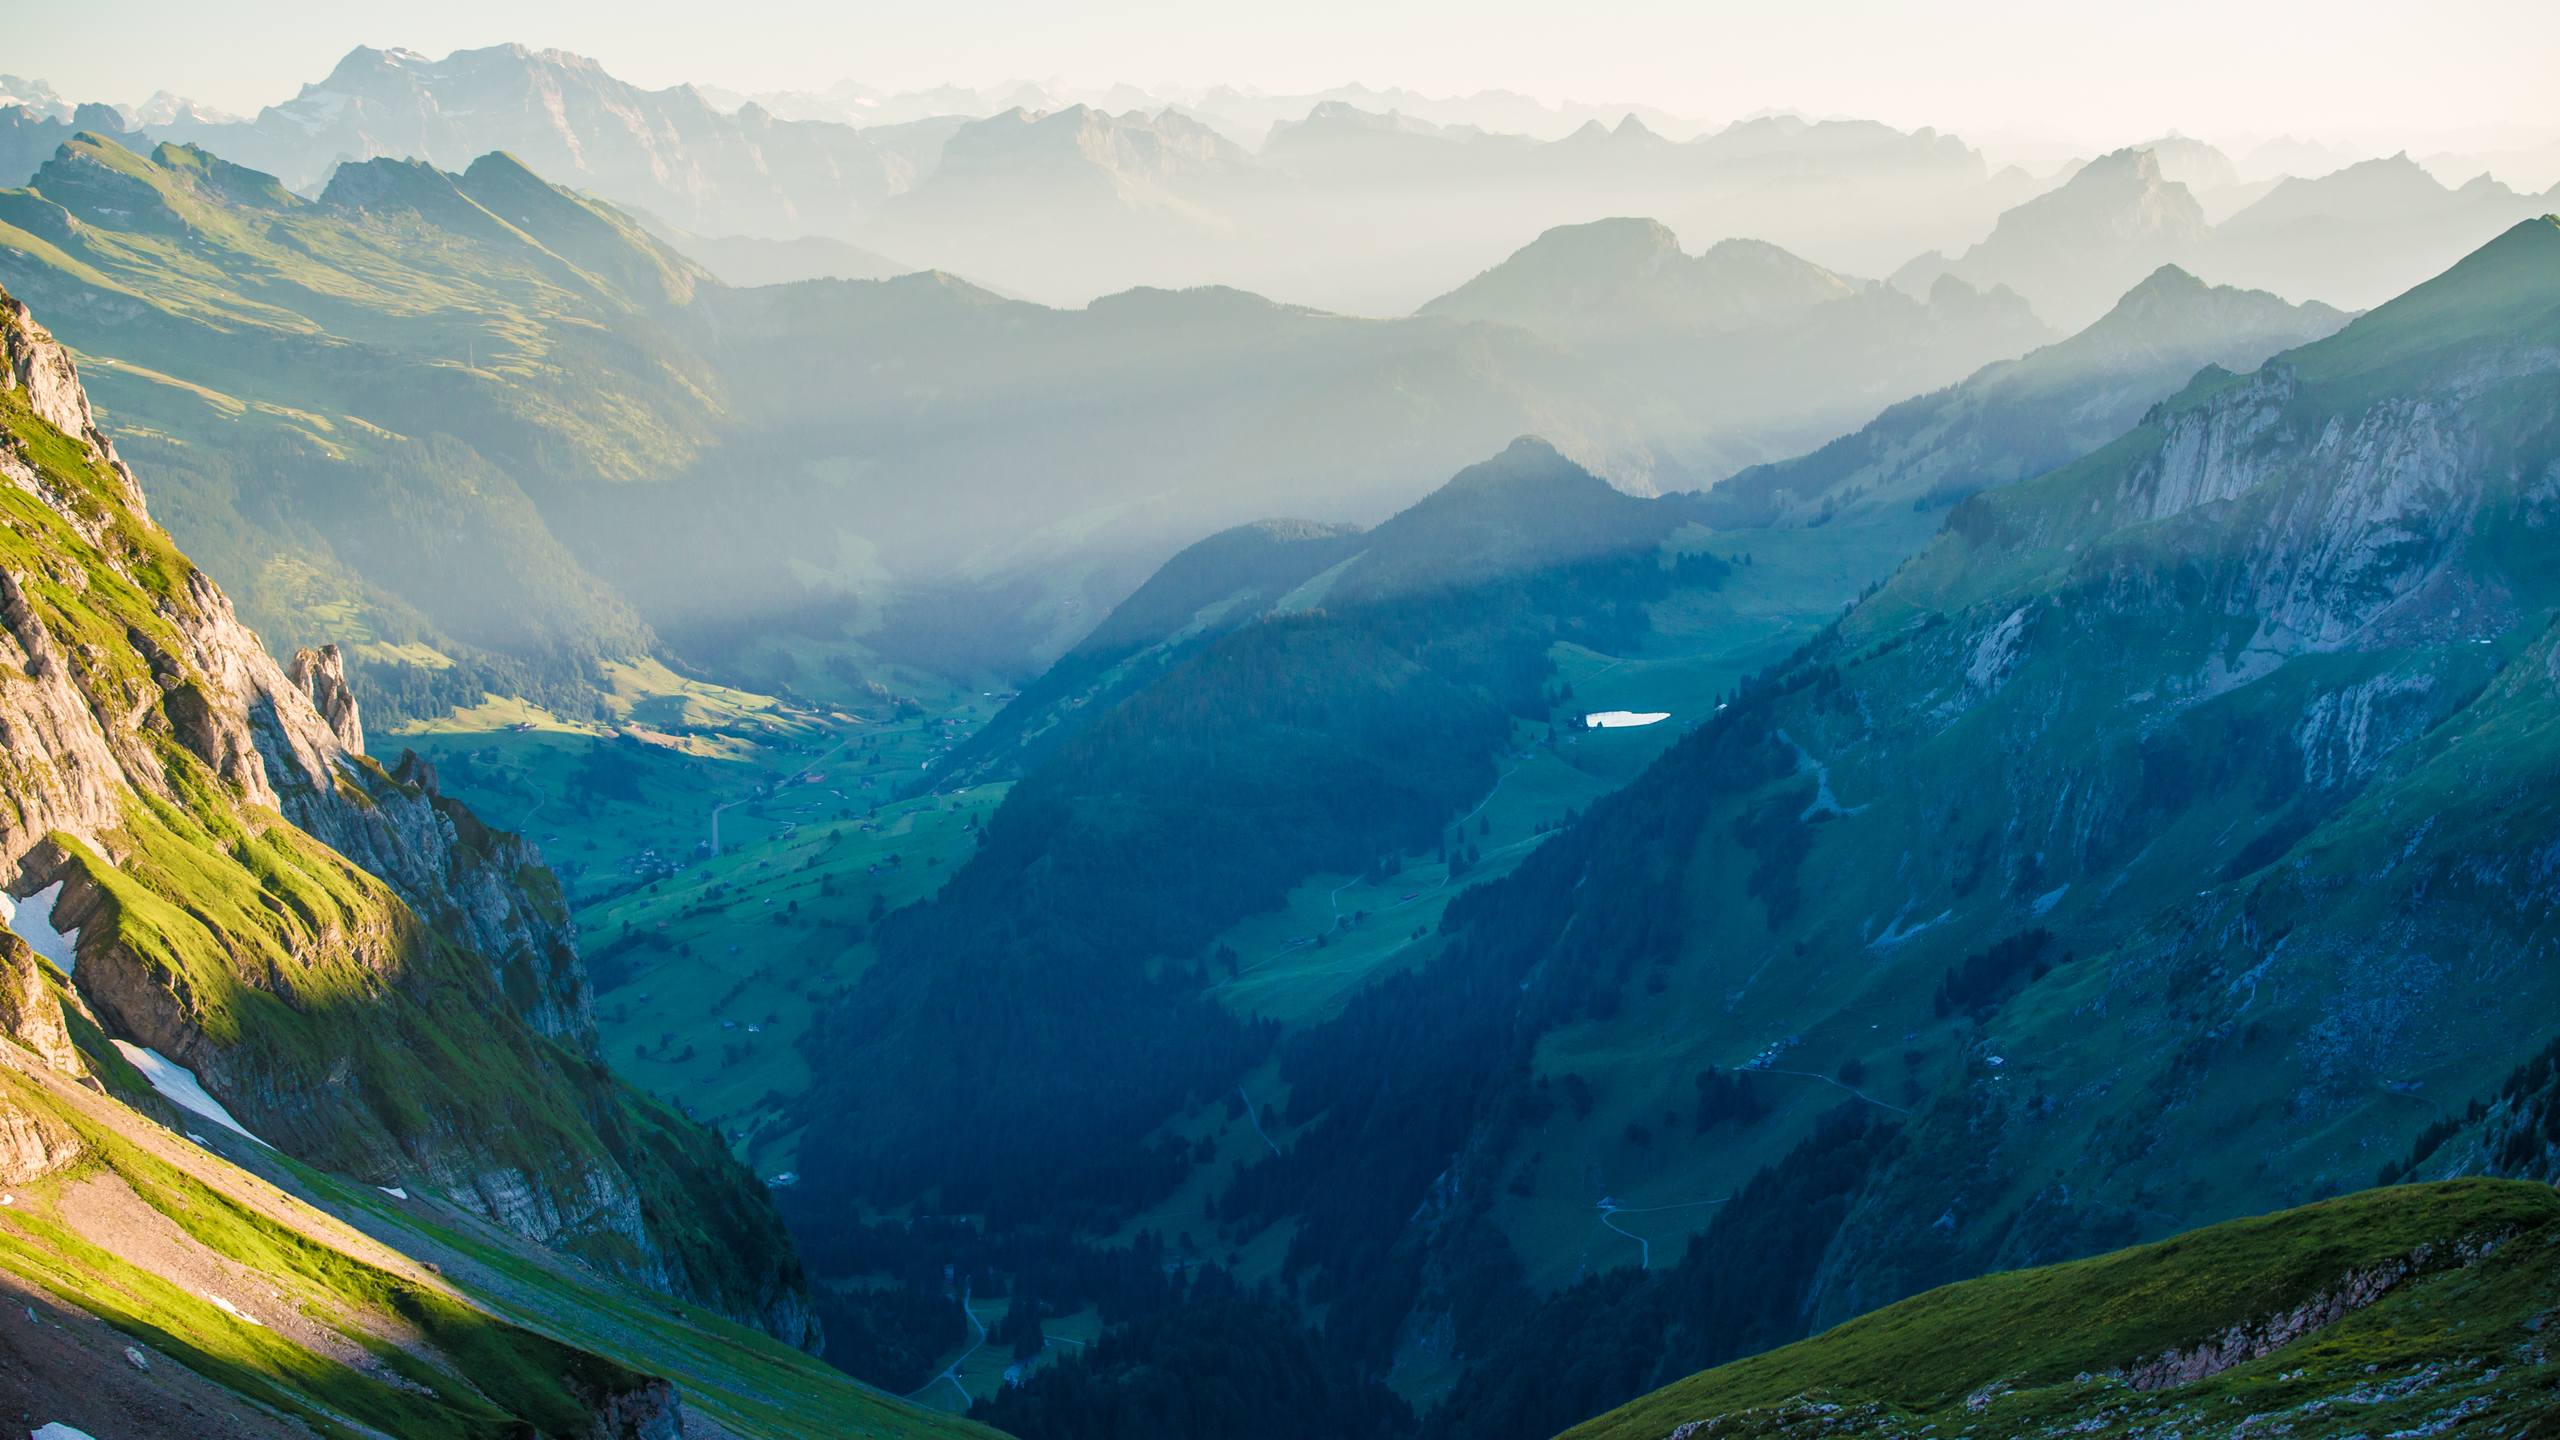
(355, 966)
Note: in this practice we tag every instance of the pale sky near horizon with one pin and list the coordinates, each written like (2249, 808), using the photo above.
(2356, 68)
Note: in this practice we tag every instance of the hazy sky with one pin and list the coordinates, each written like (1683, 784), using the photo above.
(2100, 71)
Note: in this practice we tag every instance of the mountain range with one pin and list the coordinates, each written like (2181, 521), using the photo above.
(1657, 843)
(1159, 194)
(2353, 238)
(1352, 200)
(1570, 1031)
(619, 449)
(2114, 946)
(2304, 579)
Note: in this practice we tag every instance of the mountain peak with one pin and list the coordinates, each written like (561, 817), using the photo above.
(1528, 505)
(1529, 465)
(386, 183)
(2168, 280)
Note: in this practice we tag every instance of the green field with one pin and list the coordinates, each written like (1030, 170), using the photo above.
(708, 966)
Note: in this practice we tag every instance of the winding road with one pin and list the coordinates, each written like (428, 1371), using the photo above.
(951, 1372)
(1256, 1118)
(792, 778)
(1610, 1210)
(1831, 1080)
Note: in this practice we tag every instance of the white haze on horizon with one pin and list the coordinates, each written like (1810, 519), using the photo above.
(2026, 81)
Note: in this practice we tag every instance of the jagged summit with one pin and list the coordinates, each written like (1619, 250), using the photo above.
(2073, 251)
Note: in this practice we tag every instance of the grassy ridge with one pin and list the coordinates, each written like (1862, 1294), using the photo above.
(473, 1376)
(2048, 1346)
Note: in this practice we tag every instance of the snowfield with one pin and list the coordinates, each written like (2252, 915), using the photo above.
(177, 1084)
(31, 919)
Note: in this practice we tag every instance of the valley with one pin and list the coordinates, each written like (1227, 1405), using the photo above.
(1084, 761)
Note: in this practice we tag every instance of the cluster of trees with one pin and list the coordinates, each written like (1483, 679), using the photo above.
(893, 1336)
(1735, 1097)
(1237, 1367)
(1984, 976)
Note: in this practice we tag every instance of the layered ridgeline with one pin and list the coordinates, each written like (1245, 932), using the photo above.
(348, 405)
(1342, 206)
(490, 435)
(1741, 348)
(2019, 418)
(2353, 237)
(2410, 1311)
(669, 151)
(2229, 743)
(353, 966)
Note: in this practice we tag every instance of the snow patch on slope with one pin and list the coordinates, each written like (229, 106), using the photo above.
(178, 1085)
(31, 918)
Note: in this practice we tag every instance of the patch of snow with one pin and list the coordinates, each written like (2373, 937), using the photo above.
(56, 1430)
(394, 1191)
(31, 918)
(178, 1085)
(1623, 719)
(234, 1311)
(2045, 902)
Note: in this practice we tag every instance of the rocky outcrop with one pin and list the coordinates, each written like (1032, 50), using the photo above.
(322, 674)
(650, 1412)
(2267, 1334)
(32, 1146)
(30, 1013)
(43, 372)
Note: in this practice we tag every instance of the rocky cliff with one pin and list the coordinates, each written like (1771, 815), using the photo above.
(353, 964)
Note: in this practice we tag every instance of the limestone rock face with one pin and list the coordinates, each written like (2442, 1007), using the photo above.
(292, 741)
(322, 674)
(30, 1013)
(31, 1146)
(44, 371)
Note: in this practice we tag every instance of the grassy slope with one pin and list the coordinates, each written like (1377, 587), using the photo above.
(467, 1332)
(2453, 1340)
